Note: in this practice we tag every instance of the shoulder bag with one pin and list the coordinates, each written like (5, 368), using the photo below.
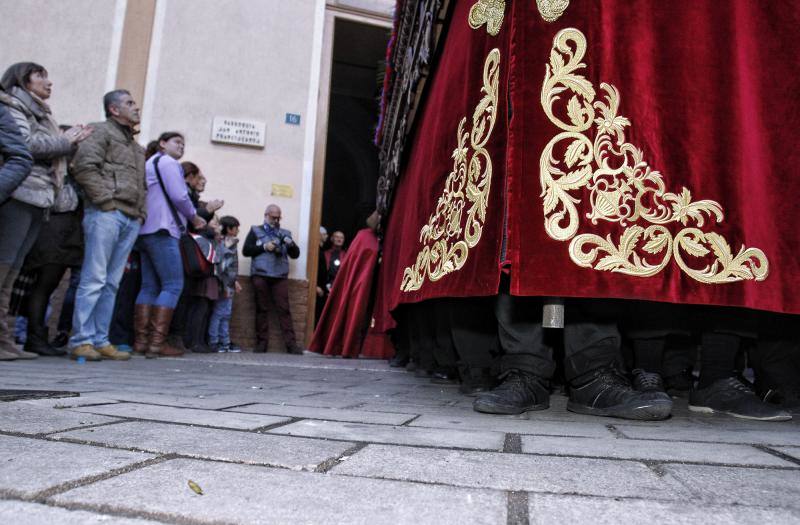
(195, 262)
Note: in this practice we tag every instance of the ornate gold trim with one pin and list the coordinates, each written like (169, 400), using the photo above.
(489, 12)
(446, 237)
(551, 10)
(622, 187)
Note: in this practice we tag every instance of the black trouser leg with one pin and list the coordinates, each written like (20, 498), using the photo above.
(680, 354)
(473, 329)
(444, 354)
(521, 336)
(68, 306)
(591, 338)
(47, 280)
(121, 329)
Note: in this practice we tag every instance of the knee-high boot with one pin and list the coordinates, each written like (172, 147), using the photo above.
(141, 328)
(160, 319)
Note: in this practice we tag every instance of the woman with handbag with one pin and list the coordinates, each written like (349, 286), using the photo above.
(169, 208)
(25, 87)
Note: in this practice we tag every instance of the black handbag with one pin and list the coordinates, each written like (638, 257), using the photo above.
(195, 263)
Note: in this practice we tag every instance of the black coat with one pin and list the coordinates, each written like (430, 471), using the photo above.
(60, 241)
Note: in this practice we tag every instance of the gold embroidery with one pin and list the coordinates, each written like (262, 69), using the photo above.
(447, 237)
(489, 12)
(622, 187)
(551, 10)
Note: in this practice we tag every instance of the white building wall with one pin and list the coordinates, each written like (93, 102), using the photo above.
(73, 40)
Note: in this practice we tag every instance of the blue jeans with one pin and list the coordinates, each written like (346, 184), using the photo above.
(219, 324)
(162, 270)
(109, 238)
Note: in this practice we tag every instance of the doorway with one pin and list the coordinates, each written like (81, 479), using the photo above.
(351, 158)
(346, 160)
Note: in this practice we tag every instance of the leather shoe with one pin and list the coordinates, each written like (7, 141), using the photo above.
(517, 393)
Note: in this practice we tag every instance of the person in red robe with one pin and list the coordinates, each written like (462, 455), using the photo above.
(344, 321)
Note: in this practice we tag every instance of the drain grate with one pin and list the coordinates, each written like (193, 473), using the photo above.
(16, 395)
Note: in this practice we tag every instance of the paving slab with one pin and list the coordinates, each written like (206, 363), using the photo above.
(780, 435)
(210, 402)
(504, 471)
(518, 425)
(24, 513)
(678, 451)
(577, 509)
(741, 486)
(30, 419)
(189, 416)
(789, 451)
(249, 494)
(32, 465)
(331, 414)
(472, 439)
(225, 445)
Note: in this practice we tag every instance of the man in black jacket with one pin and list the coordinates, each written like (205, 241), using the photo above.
(271, 246)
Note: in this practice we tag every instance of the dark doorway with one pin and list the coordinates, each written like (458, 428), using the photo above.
(351, 158)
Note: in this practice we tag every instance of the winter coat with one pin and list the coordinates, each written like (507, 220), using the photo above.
(109, 167)
(15, 157)
(50, 148)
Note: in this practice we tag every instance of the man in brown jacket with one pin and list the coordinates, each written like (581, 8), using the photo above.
(109, 166)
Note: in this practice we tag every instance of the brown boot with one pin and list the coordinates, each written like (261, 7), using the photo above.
(160, 319)
(141, 328)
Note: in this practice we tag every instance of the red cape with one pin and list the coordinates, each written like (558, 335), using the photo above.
(344, 319)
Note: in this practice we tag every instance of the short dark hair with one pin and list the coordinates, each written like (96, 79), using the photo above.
(227, 222)
(19, 75)
(189, 169)
(112, 98)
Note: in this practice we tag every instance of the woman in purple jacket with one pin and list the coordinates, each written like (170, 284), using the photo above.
(162, 267)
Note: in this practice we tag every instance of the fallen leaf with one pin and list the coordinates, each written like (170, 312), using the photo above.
(195, 487)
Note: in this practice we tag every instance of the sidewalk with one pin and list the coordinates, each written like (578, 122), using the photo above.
(271, 438)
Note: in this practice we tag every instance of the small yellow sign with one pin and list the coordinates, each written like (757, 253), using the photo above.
(282, 190)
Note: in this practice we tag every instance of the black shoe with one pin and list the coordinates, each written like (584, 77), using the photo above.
(233, 348)
(261, 348)
(60, 340)
(610, 394)
(411, 366)
(398, 361)
(646, 381)
(476, 382)
(517, 393)
(730, 396)
(36, 343)
(786, 398)
(679, 385)
(202, 348)
(294, 350)
(444, 376)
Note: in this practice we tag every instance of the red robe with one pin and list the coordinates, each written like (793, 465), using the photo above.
(344, 320)
(635, 150)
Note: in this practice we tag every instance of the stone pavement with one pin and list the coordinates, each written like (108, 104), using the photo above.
(286, 439)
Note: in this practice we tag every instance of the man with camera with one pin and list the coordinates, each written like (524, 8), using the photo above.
(270, 246)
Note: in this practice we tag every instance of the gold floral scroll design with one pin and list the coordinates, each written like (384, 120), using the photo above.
(448, 235)
(489, 12)
(551, 10)
(622, 188)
